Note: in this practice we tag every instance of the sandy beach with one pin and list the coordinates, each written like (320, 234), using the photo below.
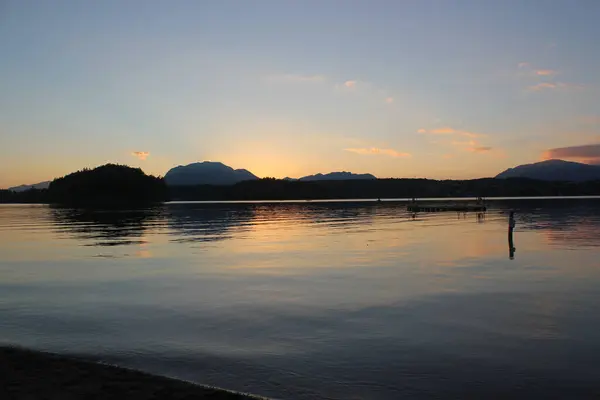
(31, 375)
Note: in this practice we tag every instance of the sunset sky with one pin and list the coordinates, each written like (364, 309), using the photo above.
(414, 88)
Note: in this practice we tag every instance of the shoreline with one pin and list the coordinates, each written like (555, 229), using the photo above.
(30, 374)
(400, 200)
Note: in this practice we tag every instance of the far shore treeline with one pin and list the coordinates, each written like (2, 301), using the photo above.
(114, 185)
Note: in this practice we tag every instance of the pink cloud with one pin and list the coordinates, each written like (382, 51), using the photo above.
(589, 153)
(552, 86)
(523, 65)
(443, 131)
(350, 84)
(450, 131)
(545, 72)
(389, 100)
(378, 151)
(142, 155)
(542, 86)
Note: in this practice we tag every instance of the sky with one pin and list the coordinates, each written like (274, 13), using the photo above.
(398, 88)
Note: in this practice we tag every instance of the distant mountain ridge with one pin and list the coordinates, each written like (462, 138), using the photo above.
(554, 170)
(216, 173)
(22, 188)
(336, 176)
(207, 173)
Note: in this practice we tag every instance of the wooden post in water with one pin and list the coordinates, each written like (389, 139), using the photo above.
(511, 227)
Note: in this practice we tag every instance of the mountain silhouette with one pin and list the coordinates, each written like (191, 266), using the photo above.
(554, 170)
(207, 173)
(336, 176)
(22, 188)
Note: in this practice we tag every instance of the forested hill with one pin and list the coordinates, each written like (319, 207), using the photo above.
(109, 184)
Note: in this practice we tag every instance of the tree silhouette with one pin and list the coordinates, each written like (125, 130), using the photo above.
(121, 185)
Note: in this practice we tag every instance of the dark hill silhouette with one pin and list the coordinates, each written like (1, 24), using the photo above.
(279, 189)
(107, 185)
(554, 170)
(207, 173)
(336, 176)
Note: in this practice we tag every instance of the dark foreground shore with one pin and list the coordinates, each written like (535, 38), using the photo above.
(31, 375)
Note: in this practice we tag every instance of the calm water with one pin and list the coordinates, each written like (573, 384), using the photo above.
(315, 300)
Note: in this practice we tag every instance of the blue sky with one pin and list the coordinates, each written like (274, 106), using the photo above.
(439, 89)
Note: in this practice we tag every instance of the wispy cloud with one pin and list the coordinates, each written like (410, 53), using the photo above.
(547, 75)
(542, 86)
(443, 131)
(389, 100)
(449, 131)
(142, 155)
(464, 143)
(589, 153)
(472, 146)
(295, 78)
(553, 86)
(378, 151)
(479, 149)
(536, 71)
(545, 72)
(350, 84)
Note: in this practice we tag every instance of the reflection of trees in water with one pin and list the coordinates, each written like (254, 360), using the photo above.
(105, 227)
(563, 222)
(316, 213)
(210, 222)
(207, 222)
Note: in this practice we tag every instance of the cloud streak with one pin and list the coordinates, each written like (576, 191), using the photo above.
(553, 86)
(547, 75)
(449, 131)
(378, 151)
(472, 146)
(589, 153)
(545, 72)
(142, 155)
(350, 84)
(479, 149)
(542, 86)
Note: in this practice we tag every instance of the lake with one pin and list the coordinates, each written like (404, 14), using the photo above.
(336, 300)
